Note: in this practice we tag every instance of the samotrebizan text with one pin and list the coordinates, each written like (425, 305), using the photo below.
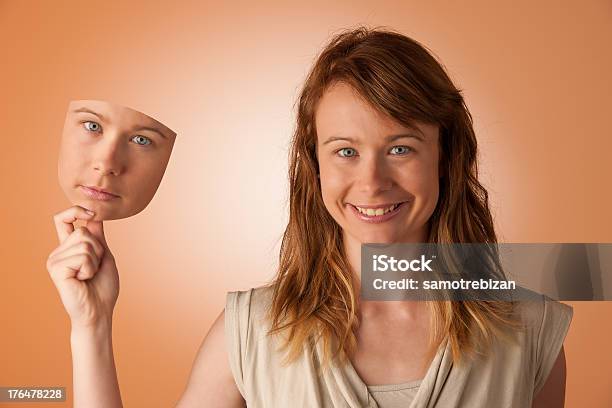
(412, 284)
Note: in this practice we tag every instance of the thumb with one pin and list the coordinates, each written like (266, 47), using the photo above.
(97, 230)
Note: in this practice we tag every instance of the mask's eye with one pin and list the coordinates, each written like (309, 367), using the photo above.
(347, 152)
(141, 140)
(92, 126)
(400, 150)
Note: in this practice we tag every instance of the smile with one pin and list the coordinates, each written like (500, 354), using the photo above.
(97, 194)
(376, 214)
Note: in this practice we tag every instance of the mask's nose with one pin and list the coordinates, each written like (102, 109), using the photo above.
(109, 158)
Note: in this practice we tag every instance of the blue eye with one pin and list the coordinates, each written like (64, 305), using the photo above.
(347, 152)
(141, 140)
(400, 150)
(92, 126)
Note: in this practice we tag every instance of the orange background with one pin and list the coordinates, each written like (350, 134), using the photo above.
(536, 77)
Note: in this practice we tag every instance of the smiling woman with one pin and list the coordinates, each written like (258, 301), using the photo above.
(112, 158)
(384, 152)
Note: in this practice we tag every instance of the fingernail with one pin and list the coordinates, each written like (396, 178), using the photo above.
(89, 212)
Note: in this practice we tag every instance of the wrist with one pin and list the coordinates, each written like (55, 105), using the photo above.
(99, 327)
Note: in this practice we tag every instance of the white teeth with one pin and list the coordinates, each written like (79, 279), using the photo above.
(371, 212)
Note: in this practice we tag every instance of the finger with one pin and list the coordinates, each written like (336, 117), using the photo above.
(75, 266)
(80, 234)
(65, 219)
(88, 270)
(81, 247)
(97, 230)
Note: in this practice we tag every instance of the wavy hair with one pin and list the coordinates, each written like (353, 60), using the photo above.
(314, 294)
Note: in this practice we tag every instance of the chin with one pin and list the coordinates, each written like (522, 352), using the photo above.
(377, 238)
(102, 212)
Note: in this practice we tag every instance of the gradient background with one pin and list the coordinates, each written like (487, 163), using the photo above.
(536, 77)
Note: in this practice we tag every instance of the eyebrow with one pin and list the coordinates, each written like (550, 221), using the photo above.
(152, 130)
(389, 139)
(86, 110)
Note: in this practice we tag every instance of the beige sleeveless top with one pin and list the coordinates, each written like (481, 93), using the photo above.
(509, 376)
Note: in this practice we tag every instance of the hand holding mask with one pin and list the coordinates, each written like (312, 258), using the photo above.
(111, 162)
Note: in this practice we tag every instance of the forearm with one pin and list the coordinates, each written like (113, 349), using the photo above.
(94, 375)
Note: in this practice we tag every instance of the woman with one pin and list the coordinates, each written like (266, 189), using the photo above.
(384, 151)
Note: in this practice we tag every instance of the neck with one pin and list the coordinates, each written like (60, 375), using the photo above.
(352, 250)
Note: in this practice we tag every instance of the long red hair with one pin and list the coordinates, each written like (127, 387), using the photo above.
(314, 297)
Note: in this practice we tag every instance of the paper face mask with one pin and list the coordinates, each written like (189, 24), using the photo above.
(112, 158)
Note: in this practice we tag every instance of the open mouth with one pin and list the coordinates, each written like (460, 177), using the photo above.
(377, 214)
(377, 211)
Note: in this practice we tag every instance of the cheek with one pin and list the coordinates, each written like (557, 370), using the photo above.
(144, 178)
(422, 181)
(71, 161)
(326, 192)
(333, 185)
(425, 187)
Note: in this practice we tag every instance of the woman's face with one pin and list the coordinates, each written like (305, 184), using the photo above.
(379, 179)
(113, 149)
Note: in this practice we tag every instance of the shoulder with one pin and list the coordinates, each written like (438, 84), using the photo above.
(546, 324)
(245, 326)
(246, 315)
(516, 370)
(256, 295)
(544, 316)
(248, 306)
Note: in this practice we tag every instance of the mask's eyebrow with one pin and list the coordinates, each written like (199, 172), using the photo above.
(151, 129)
(85, 110)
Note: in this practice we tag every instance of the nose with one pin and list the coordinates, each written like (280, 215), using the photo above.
(108, 158)
(374, 176)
